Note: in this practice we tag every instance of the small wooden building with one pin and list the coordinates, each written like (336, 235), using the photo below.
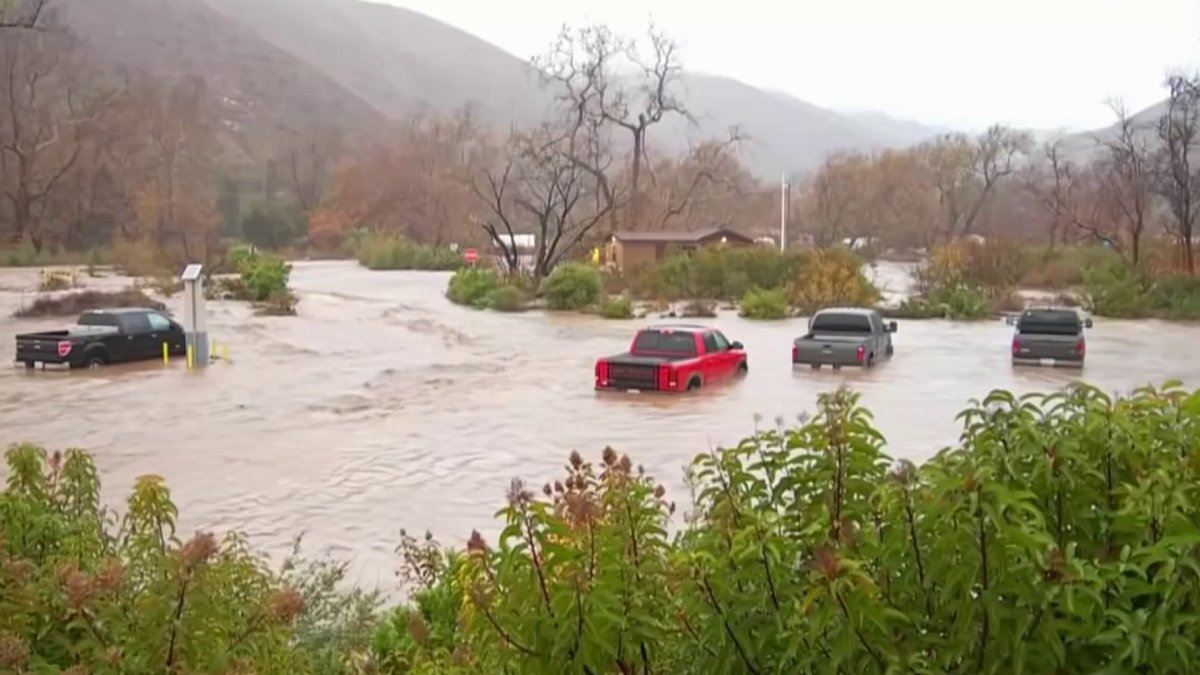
(630, 250)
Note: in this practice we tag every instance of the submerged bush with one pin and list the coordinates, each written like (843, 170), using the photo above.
(1062, 528)
(264, 275)
(768, 304)
(1176, 297)
(573, 286)
(616, 307)
(73, 304)
(472, 286)
(1115, 289)
(391, 252)
(830, 277)
(507, 298)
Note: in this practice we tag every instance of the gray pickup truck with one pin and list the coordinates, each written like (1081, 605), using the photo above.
(844, 337)
(1049, 336)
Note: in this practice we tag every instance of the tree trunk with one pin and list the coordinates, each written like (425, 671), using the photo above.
(635, 199)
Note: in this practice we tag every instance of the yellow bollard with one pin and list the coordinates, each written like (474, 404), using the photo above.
(166, 354)
(225, 352)
(190, 357)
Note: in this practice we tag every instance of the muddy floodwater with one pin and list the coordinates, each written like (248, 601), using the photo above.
(384, 406)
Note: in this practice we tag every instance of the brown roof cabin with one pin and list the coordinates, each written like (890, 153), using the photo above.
(630, 250)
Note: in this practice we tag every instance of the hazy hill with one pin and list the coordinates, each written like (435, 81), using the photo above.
(280, 64)
(1082, 146)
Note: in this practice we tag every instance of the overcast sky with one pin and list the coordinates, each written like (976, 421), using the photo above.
(965, 63)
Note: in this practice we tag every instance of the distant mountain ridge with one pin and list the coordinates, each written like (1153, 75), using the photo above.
(355, 65)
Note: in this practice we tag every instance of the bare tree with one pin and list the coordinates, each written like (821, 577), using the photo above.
(22, 14)
(1126, 178)
(39, 135)
(1177, 174)
(540, 190)
(966, 171)
(308, 162)
(584, 64)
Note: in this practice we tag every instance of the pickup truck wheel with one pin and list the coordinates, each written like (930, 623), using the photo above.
(814, 366)
(29, 365)
(742, 368)
(693, 384)
(891, 350)
(94, 361)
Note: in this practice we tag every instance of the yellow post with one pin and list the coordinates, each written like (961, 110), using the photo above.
(190, 357)
(225, 352)
(166, 354)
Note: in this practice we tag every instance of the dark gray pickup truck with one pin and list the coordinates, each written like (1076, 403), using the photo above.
(844, 337)
(103, 336)
(1049, 336)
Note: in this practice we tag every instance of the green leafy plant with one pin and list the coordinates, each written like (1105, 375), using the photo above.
(1061, 531)
(617, 307)
(508, 298)
(572, 286)
(472, 286)
(1115, 289)
(1176, 297)
(264, 275)
(390, 252)
(81, 591)
(760, 304)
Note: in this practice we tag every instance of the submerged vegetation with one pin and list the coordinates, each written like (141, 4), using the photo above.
(1060, 531)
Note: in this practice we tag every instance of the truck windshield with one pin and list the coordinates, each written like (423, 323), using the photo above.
(99, 319)
(1050, 322)
(665, 342)
(841, 323)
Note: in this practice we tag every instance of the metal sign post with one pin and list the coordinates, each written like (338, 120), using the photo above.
(195, 315)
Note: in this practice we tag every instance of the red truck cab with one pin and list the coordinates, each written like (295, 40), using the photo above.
(672, 358)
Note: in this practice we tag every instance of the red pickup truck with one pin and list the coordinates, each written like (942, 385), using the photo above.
(672, 358)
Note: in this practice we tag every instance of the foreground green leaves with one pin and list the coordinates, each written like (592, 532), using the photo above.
(1060, 537)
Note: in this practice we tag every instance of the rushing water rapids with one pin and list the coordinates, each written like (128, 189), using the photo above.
(384, 406)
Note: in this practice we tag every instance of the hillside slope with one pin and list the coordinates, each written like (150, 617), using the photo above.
(280, 65)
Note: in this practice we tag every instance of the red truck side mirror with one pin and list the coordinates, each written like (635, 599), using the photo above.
(736, 345)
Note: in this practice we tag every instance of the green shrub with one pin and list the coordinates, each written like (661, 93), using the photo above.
(616, 307)
(830, 277)
(1176, 297)
(1061, 527)
(1115, 289)
(472, 286)
(716, 272)
(83, 592)
(264, 275)
(573, 286)
(764, 304)
(507, 298)
(391, 252)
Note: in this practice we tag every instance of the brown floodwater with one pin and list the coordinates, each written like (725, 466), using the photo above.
(384, 406)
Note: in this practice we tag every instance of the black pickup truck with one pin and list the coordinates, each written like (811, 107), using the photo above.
(103, 336)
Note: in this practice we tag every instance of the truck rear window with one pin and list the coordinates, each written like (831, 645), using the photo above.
(99, 319)
(841, 323)
(665, 342)
(1050, 322)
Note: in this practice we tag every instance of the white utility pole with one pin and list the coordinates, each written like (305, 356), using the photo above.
(783, 210)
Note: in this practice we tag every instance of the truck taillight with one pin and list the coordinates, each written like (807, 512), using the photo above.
(601, 373)
(861, 353)
(1080, 347)
(64, 348)
(666, 377)
(795, 353)
(1016, 345)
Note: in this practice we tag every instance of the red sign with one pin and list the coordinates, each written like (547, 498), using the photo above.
(471, 256)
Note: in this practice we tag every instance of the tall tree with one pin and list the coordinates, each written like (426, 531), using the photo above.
(966, 172)
(40, 126)
(1126, 174)
(588, 67)
(1177, 174)
(540, 190)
